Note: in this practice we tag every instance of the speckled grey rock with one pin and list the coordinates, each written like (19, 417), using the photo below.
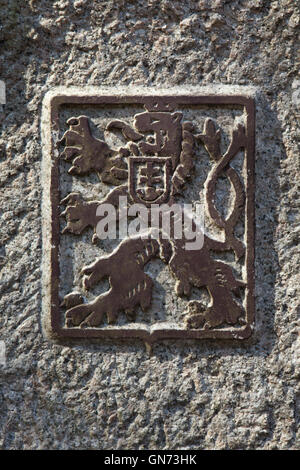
(113, 395)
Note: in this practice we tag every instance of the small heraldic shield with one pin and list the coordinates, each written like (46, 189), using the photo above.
(149, 179)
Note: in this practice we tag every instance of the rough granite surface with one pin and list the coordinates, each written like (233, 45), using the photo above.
(113, 395)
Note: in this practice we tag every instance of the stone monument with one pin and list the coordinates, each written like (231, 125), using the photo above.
(149, 225)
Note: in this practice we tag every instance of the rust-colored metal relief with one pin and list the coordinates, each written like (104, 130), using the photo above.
(154, 151)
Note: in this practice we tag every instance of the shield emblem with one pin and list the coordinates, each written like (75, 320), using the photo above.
(150, 179)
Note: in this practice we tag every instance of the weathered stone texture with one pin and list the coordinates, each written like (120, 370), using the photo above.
(195, 395)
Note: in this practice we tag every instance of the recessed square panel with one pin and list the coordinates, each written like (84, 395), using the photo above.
(148, 215)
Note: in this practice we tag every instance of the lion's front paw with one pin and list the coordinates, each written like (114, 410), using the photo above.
(78, 213)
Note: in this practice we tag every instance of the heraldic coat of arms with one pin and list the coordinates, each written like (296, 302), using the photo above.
(111, 153)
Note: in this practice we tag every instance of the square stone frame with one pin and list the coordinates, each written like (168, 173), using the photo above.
(51, 319)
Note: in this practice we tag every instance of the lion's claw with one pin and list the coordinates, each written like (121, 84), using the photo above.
(82, 149)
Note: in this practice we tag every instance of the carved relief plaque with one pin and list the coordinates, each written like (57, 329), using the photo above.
(125, 255)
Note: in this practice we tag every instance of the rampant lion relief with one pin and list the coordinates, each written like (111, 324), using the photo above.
(151, 158)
